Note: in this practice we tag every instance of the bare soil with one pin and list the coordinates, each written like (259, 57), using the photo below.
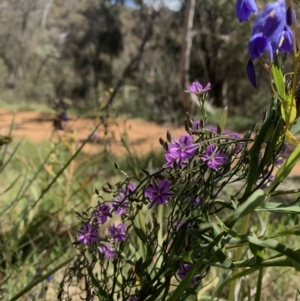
(143, 135)
(38, 127)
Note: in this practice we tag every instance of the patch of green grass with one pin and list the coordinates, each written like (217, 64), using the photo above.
(234, 123)
(25, 106)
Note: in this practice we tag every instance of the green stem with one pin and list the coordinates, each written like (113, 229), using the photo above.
(40, 279)
(258, 285)
(264, 135)
(239, 254)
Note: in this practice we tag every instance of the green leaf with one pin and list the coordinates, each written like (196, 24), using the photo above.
(140, 233)
(278, 79)
(222, 258)
(276, 246)
(225, 280)
(179, 240)
(186, 282)
(288, 110)
(223, 119)
(255, 200)
(296, 127)
(285, 169)
(278, 207)
(154, 296)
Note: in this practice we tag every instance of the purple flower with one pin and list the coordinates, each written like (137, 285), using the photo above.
(101, 213)
(244, 8)
(286, 40)
(158, 193)
(257, 45)
(62, 105)
(95, 135)
(88, 234)
(266, 184)
(49, 278)
(267, 29)
(184, 269)
(278, 162)
(178, 224)
(212, 128)
(129, 189)
(214, 158)
(197, 125)
(120, 204)
(197, 88)
(194, 201)
(289, 18)
(180, 151)
(107, 251)
(63, 116)
(238, 146)
(117, 233)
(251, 73)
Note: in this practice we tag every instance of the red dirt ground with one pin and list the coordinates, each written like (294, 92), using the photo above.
(38, 127)
(143, 135)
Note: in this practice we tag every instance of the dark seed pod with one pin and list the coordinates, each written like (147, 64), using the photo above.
(145, 171)
(169, 137)
(161, 141)
(117, 166)
(186, 126)
(106, 189)
(109, 185)
(166, 146)
(188, 119)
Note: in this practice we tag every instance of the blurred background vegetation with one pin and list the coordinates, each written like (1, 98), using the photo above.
(135, 56)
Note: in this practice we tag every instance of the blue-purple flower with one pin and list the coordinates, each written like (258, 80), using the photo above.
(286, 41)
(107, 251)
(117, 232)
(159, 192)
(267, 30)
(197, 88)
(279, 162)
(244, 8)
(63, 116)
(101, 213)
(289, 19)
(270, 179)
(184, 269)
(251, 73)
(178, 224)
(49, 278)
(194, 201)
(213, 158)
(180, 151)
(88, 234)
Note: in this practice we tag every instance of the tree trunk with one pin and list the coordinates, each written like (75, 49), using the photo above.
(186, 47)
